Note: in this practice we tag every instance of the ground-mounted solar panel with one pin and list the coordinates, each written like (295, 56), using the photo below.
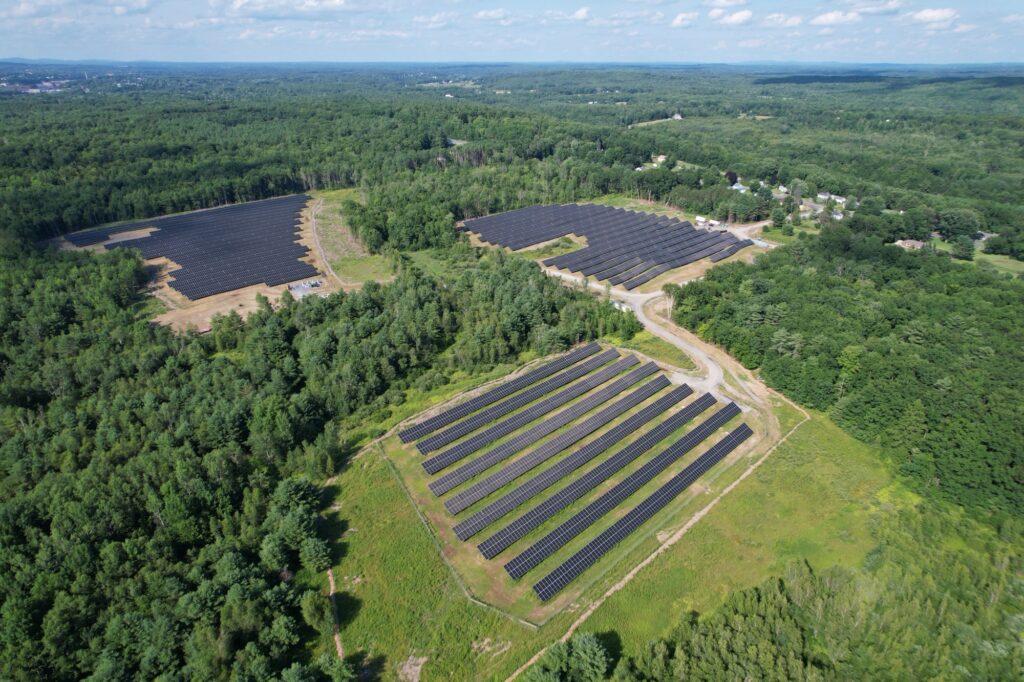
(574, 566)
(494, 412)
(544, 480)
(220, 249)
(549, 425)
(525, 523)
(520, 419)
(504, 390)
(618, 241)
(589, 515)
(482, 489)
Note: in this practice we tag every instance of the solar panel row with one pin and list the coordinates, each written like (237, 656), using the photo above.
(506, 503)
(623, 247)
(483, 488)
(557, 538)
(453, 433)
(221, 249)
(518, 528)
(554, 582)
(524, 417)
(428, 426)
(722, 255)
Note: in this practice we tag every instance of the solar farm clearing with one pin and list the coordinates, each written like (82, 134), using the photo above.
(539, 486)
(216, 260)
(623, 248)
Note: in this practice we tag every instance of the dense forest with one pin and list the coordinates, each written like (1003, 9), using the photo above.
(158, 490)
(910, 350)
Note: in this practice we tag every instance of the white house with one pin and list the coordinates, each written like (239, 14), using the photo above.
(740, 188)
(839, 200)
(823, 196)
(714, 223)
(910, 244)
(701, 220)
(677, 117)
(783, 189)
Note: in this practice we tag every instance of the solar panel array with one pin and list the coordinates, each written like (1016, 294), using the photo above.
(221, 249)
(557, 423)
(623, 247)
(553, 582)
(505, 389)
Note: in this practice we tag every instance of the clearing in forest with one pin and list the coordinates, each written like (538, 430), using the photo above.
(537, 487)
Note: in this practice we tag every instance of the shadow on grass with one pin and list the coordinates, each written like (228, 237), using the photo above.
(367, 667)
(612, 643)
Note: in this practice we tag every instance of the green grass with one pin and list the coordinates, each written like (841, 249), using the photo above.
(1001, 263)
(775, 235)
(559, 248)
(363, 268)
(656, 349)
(430, 263)
(400, 599)
(634, 204)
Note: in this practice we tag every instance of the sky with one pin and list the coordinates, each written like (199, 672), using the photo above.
(904, 31)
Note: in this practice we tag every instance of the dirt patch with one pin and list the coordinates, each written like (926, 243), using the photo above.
(411, 669)
(489, 646)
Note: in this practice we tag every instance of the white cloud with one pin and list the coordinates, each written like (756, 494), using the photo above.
(874, 6)
(716, 13)
(492, 14)
(582, 14)
(937, 19)
(628, 18)
(1013, 19)
(724, 3)
(964, 28)
(751, 43)
(835, 18)
(783, 20)
(684, 19)
(931, 16)
(736, 18)
(434, 21)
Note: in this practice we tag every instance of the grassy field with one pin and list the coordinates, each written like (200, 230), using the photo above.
(656, 349)
(349, 259)
(813, 499)
(775, 235)
(634, 204)
(1001, 263)
(808, 501)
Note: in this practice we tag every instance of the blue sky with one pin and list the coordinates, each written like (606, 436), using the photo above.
(917, 31)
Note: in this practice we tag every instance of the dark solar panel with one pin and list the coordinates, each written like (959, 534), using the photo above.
(617, 240)
(467, 447)
(221, 249)
(467, 426)
(509, 501)
(569, 570)
(506, 389)
(557, 538)
(590, 480)
(482, 489)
